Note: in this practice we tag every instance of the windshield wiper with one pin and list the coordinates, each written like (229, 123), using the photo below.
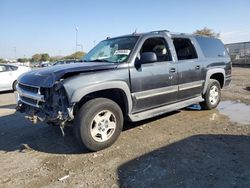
(97, 60)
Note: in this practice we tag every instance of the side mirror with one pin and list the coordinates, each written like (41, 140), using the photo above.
(148, 57)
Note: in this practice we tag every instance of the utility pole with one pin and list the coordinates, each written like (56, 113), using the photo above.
(80, 46)
(15, 52)
(76, 37)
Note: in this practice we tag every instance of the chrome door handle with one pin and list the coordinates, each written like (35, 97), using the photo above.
(198, 67)
(172, 70)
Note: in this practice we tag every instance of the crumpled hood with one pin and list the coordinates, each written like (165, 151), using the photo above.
(46, 77)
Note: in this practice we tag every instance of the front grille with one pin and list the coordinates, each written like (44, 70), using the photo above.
(28, 100)
(28, 88)
(30, 95)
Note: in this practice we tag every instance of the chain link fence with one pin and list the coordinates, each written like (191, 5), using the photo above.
(239, 52)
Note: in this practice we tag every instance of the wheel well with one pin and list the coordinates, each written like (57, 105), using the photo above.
(116, 95)
(13, 84)
(219, 77)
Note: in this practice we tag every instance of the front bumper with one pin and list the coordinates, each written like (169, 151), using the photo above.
(49, 105)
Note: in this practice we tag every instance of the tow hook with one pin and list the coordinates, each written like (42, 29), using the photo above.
(33, 119)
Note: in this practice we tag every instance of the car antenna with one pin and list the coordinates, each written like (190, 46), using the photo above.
(135, 31)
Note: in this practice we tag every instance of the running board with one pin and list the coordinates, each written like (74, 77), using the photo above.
(164, 109)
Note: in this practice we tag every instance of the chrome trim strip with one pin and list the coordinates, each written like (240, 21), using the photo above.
(30, 95)
(155, 92)
(190, 85)
(167, 90)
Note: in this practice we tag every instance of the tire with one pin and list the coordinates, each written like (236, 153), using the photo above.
(14, 85)
(98, 124)
(212, 96)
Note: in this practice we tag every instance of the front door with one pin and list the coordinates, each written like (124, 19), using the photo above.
(154, 84)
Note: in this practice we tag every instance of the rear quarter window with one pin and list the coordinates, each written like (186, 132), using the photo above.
(212, 47)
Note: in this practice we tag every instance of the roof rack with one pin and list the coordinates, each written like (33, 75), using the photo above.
(160, 31)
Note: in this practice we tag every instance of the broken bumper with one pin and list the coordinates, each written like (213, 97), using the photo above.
(49, 105)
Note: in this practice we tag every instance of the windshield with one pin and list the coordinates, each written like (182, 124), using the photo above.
(115, 50)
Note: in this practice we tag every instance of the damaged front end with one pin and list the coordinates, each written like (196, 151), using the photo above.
(48, 105)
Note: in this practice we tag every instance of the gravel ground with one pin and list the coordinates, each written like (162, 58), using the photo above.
(186, 148)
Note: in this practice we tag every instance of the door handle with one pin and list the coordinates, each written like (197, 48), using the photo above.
(172, 70)
(198, 67)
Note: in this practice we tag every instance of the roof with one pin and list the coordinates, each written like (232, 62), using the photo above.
(170, 34)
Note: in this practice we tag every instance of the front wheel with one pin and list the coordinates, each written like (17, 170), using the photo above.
(212, 96)
(98, 124)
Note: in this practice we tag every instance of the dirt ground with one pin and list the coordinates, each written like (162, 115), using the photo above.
(186, 148)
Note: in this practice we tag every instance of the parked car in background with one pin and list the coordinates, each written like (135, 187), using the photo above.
(63, 62)
(9, 75)
(45, 64)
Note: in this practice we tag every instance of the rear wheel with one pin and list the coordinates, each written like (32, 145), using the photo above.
(212, 96)
(98, 124)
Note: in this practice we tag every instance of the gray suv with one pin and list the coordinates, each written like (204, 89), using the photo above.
(131, 77)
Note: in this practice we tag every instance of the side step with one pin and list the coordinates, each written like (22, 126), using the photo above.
(164, 109)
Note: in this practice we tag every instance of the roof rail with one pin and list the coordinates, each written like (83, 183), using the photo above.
(160, 31)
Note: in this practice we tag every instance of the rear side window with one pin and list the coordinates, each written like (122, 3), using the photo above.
(184, 49)
(211, 47)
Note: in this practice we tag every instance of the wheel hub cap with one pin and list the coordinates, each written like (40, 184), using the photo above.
(214, 95)
(103, 126)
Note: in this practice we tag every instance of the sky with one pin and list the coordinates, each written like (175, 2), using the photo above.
(49, 26)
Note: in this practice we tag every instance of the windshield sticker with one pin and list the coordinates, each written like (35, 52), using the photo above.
(122, 52)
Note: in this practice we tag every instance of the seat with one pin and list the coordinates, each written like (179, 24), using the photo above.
(161, 52)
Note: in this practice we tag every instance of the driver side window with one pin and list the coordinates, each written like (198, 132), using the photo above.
(159, 46)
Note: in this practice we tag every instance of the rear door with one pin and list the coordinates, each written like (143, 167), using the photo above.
(190, 68)
(154, 84)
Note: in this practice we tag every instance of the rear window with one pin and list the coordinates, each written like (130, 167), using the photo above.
(211, 47)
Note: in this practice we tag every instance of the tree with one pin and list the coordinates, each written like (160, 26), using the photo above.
(36, 58)
(22, 60)
(55, 58)
(76, 55)
(45, 57)
(2, 61)
(207, 32)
